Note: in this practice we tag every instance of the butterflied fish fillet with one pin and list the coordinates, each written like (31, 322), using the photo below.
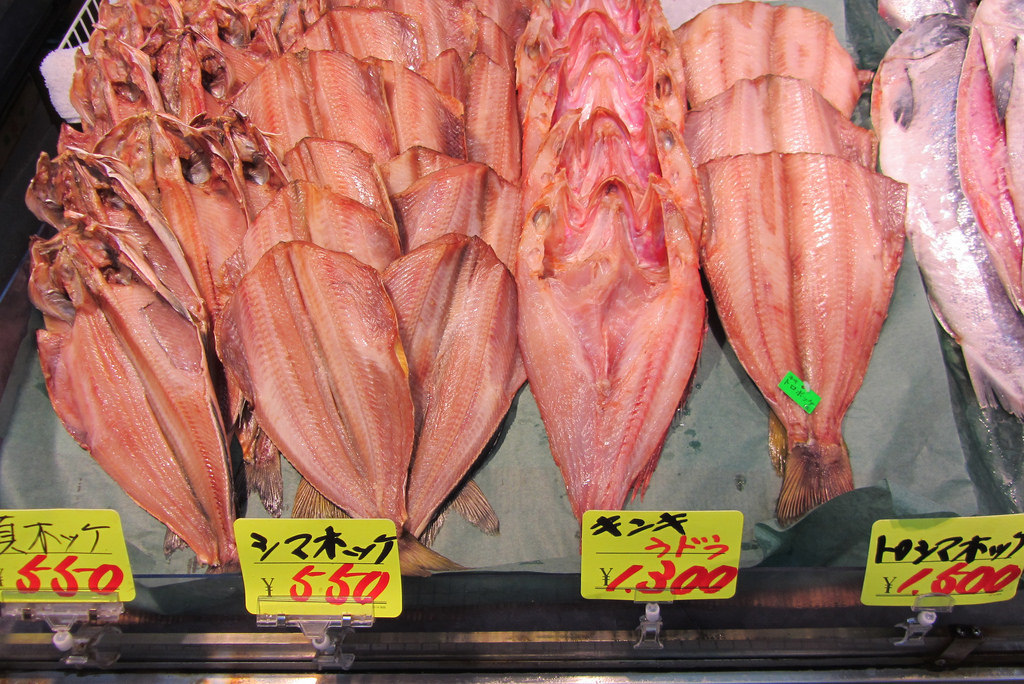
(186, 176)
(366, 32)
(456, 307)
(258, 171)
(493, 135)
(322, 94)
(113, 82)
(611, 322)
(510, 15)
(312, 340)
(447, 73)
(774, 114)
(77, 184)
(128, 377)
(312, 213)
(731, 41)
(342, 167)
(801, 251)
(470, 199)
(611, 309)
(413, 164)
(914, 110)
(178, 72)
(422, 115)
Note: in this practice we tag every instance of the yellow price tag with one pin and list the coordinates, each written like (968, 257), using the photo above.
(973, 560)
(660, 555)
(63, 556)
(334, 566)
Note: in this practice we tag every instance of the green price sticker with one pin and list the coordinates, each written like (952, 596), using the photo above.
(63, 556)
(966, 560)
(799, 391)
(329, 567)
(660, 555)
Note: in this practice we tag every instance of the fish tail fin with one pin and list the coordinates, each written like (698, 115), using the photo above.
(310, 503)
(990, 390)
(814, 474)
(263, 474)
(417, 559)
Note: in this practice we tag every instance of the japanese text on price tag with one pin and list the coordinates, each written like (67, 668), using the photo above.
(975, 560)
(660, 555)
(63, 556)
(320, 567)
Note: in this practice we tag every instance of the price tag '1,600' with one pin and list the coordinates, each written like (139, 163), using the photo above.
(63, 556)
(327, 567)
(974, 560)
(660, 555)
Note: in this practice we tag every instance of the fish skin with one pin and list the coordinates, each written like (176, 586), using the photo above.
(311, 338)
(903, 14)
(991, 134)
(128, 377)
(984, 162)
(774, 114)
(456, 308)
(801, 252)
(776, 40)
(914, 110)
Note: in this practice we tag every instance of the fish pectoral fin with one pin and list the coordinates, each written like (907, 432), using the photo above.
(261, 464)
(815, 473)
(472, 505)
(172, 543)
(430, 533)
(310, 503)
(777, 443)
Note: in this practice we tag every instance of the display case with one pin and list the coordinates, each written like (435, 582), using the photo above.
(919, 443)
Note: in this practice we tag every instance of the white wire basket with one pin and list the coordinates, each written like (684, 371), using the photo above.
(81, 27)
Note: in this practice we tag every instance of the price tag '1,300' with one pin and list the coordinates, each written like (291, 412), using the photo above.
(63, 556)
(972, 560)
(660, 555)
(334, 566)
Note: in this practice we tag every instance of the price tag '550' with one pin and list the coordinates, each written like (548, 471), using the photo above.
(63, 556)
(320, 567)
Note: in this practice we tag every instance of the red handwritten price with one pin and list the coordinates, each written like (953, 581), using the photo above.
(63, 576)
(955, 579)
(692, 578)
(971, 560)
(367, 590)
